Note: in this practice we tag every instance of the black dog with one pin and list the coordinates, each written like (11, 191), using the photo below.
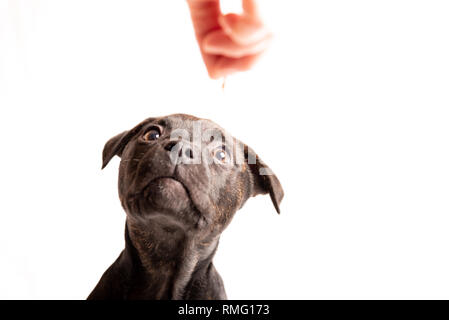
(181, 180)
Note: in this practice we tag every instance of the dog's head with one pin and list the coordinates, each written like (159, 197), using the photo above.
(189, 171)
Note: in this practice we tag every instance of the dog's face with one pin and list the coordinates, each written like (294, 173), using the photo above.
(187, 171)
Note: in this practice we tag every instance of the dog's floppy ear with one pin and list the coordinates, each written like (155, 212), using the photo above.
(115, 145)
(265, 181)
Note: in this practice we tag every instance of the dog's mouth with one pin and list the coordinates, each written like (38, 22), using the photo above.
(170, 195)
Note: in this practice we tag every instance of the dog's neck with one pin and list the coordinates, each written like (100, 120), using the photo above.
(165, 259)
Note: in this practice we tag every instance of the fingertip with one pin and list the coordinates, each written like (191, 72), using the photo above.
(227, 22)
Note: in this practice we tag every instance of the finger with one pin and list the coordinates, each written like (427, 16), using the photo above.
(250, 8)
(243, 29)
(219, 43)
(225, 66)
(204, 15)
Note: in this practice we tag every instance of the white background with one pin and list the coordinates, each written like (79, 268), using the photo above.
(349, 108)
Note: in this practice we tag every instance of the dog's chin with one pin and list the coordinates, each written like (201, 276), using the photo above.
(167, 195)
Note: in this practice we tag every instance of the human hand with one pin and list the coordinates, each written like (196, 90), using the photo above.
(228, 43)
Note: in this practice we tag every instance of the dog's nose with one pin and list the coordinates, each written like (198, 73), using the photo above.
(188, 152)
(181, 148)
(170, 145)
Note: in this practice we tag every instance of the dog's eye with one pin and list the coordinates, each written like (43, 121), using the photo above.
(153, 134)
(221, 155)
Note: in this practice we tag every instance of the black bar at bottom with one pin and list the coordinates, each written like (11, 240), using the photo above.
(232, 309)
